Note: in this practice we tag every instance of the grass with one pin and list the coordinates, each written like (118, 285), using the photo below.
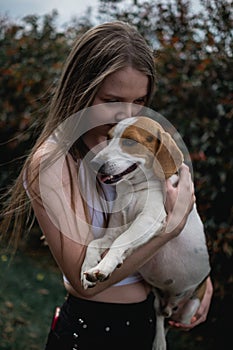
(30, 288)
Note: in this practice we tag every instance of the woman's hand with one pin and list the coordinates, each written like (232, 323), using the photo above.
(180, 199)
(202, 311)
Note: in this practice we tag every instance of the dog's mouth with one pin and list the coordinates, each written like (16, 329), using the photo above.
(111, 179)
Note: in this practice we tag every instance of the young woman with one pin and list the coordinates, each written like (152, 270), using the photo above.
(109, 75)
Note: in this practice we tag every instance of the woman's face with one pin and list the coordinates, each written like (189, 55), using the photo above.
(121, 96)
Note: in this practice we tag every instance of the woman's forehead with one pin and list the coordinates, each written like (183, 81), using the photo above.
(125, 80)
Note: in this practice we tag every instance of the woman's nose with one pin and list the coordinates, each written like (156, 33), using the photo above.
(120, 116)
(126, 110)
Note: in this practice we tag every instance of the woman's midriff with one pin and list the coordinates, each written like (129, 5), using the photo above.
(129, 293)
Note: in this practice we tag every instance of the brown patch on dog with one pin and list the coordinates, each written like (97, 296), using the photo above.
(164, 155)
(200, 291)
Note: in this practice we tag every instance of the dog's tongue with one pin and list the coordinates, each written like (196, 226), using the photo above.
(104, 178)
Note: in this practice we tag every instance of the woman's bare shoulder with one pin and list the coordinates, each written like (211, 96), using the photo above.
(50, 156)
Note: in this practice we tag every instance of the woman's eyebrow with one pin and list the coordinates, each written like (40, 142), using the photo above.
(112, 96)
(109, 95)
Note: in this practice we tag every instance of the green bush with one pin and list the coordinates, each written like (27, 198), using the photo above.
(31, 56)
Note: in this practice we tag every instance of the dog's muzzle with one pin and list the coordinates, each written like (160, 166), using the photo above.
(106, 172)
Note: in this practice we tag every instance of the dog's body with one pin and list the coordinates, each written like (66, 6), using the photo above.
(178, 269)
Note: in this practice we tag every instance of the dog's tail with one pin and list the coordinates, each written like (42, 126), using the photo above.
(160, 334)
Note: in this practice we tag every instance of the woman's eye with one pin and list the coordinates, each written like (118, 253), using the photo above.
(140, 101)
(110, 101)
(128, 142)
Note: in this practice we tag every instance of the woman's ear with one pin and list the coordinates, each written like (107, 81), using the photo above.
(168, 157)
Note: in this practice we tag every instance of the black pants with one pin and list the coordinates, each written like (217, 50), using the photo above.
(86, 325)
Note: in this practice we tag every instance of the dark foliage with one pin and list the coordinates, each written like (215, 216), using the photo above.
(194, 62)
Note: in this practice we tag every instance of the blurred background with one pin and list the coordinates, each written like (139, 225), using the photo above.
(193, 45)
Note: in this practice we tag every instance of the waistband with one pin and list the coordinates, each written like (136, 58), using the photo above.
(90, 307)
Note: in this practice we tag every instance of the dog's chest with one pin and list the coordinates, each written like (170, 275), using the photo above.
(133, 200)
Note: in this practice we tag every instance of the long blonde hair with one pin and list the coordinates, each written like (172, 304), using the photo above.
(102, 50)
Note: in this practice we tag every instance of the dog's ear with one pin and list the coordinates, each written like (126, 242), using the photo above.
(168, 157)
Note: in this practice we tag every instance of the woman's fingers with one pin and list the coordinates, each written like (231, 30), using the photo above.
(179, 201)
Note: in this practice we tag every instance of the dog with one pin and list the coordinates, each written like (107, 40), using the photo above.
(139, 156)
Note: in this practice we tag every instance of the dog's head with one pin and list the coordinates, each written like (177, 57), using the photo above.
(136, 142)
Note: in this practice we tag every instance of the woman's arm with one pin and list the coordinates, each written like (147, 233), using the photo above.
(68, 234)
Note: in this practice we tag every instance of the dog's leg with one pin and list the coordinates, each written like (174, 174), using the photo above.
(189, 310)
(93, 256)
(136, 235)
(96, 248)
(191, 306)
(160, 334)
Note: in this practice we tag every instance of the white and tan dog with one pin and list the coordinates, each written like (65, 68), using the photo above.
(138, 157)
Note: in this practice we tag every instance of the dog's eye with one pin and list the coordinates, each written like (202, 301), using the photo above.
(150, 138)
(128, 142)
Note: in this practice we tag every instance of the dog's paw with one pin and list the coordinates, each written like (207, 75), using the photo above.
(89, 262)
(103, 270)
(93, 275)
(87, 283)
